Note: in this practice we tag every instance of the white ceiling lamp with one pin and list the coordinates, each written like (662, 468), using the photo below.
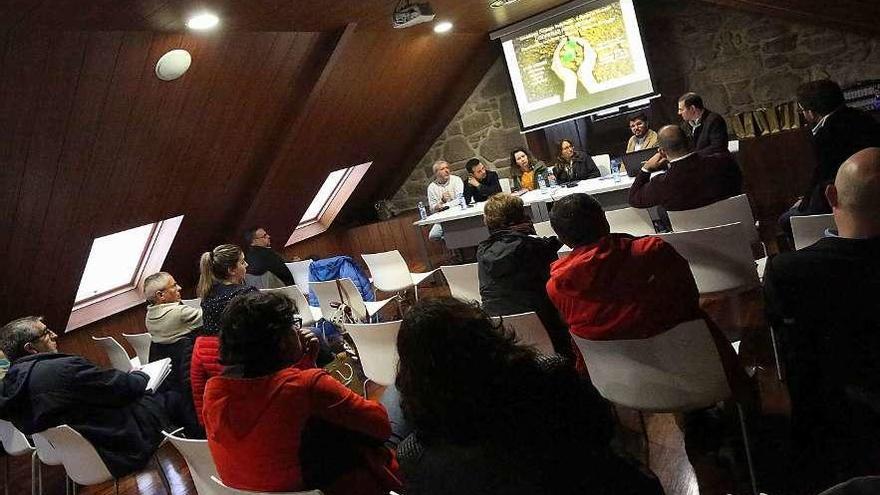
(173, 65)
(443, 27)
(203, 21)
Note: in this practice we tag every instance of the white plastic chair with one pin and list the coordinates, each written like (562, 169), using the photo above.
(807, 230)
(118, 357)
(225, 490)
(377, 349)
(309, 314)
(201, 465)
(730, 210)
(193, 303)
(15, 444)
(633, 221)
(79, 457)
(391, 273)
(529, 331)
(463, 281)
(506, 185)
(675, 371)
(603, 163)
(47, 455)
(140, 342)
(719, 257)
(300, 272)
(544, 229)
(330, 292)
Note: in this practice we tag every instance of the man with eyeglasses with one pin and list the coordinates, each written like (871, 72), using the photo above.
(110, 408)
(261, 258)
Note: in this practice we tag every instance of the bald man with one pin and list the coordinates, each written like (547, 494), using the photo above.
(692, 180)
(823, 300)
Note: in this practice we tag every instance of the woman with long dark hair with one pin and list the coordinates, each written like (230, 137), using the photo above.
(525, 170)
(571, 165)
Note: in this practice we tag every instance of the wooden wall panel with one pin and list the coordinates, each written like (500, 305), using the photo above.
(80, 343)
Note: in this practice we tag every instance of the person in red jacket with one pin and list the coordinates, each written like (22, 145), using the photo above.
(273, 426)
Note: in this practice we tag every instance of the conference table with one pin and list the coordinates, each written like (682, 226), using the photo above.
(464, 227)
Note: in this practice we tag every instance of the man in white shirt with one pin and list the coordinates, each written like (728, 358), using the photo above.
(442, 191)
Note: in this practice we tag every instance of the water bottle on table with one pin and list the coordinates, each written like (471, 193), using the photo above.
(615, 169)
(423, 213)
(542, 184)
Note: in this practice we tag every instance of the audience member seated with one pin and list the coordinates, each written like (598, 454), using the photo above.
(221, 278)
(838, 132)
(443, 191)
(823, 301)
(514, 266)
(273, 426)
(261, 258)
(692, 180)
(707, 129)
(525, 170)
(643, 138)
(108, 407)
(172, 326)
(573, 165)
(616, 286)
(491, 416)
(481, 182)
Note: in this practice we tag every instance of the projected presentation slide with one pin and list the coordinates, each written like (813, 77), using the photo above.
(590, 59)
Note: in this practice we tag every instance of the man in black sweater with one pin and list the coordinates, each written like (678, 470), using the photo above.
(822, 300)
(261, 258)
(481, 182)
(110, 408)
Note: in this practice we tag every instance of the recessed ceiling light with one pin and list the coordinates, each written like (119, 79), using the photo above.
(202, 21)
(442, 27)
(496, 4)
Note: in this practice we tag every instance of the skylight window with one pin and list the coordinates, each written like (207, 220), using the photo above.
(331, 197)
(115, 270)
(114, 261)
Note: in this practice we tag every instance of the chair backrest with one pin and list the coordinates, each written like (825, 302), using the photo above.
(193, 303)
(225, 490)
(14, 442)
(544, 229)
(733, 146)
(506, 185)
(678, 370)
(633, 221)
(389, 270)
(198, 458)
(45, 451)
(529, 331)
(302, 304)
(300, 272)
(807, 230)
(79, 457)
(730, 210)
(377, 349)
(267, 280)
(140, 342)
(329, 292)
(720, 257)
(118, 357)
(603, 163)
(463, 281)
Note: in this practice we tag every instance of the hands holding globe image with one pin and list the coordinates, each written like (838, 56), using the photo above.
(573, 61)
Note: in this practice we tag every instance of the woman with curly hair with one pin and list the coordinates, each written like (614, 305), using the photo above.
(276, 423)
(573, 165)
(492, 416)
(525, 170)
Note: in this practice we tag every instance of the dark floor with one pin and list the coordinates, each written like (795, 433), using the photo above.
(708, 469)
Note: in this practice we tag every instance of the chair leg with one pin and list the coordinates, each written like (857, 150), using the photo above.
(6, 474)
(776, 354)
(115, 486)
(33, 473)
(745, 435)
(165, 482)
(647, 441)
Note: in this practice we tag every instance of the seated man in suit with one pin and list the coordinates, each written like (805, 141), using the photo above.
(691, 181)
(110, 408)
(481, 182)
(261, 258)
(823, 301)
(707, 129)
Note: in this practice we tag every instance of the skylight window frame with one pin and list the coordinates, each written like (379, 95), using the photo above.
(112, 301)
(334, 203)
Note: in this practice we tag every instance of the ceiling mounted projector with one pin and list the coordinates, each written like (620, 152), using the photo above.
(409, 14)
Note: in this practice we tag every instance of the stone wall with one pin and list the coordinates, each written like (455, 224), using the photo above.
(486, 127)
(736, 60)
